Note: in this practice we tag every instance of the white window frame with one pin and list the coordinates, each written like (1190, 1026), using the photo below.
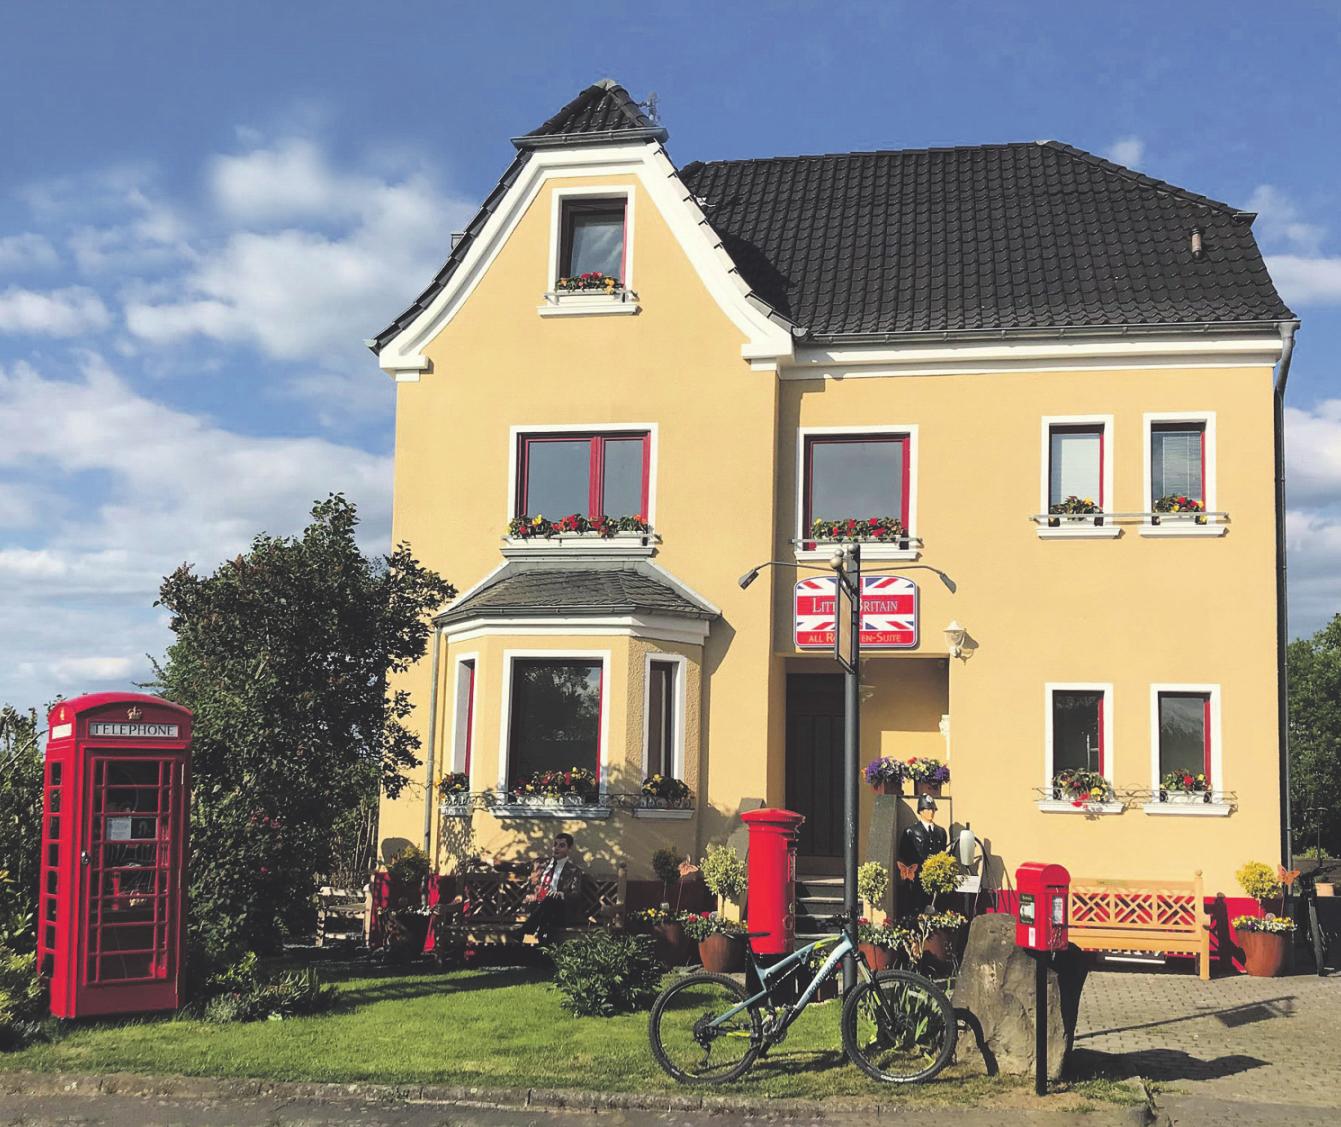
(1051, 806)
(587, 303)
(1202, 809)
(1081, 529)
(869, 549)
(515, 435)
(678, 705)
(463, 684)
(1176, 525)
(505, 717)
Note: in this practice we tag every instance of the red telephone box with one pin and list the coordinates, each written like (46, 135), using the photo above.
(772, 878)
(1041, 923)
(114, 854)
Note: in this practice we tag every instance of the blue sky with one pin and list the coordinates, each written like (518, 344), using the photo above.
(204, 208)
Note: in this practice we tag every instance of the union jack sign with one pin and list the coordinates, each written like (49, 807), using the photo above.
(888, 613)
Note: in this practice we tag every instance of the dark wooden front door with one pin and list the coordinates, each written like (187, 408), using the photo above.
(815, 766)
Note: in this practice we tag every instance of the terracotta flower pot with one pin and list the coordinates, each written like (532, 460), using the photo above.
(922, 786)
(670, 944)
(722, 954)
(888, 786)
(877, 958)
(937, 943)
(1263, 952)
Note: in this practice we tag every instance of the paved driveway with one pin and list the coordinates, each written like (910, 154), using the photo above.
(1214, 1048)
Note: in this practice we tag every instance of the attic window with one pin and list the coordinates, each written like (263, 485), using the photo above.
(593, 237)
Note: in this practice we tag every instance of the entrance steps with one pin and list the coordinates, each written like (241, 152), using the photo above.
(818, 900)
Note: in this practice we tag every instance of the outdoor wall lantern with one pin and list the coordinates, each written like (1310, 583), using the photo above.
(954, 638)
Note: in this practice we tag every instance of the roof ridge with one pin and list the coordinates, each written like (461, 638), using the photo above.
(1125, 173)
(590, 101)
(865, 153)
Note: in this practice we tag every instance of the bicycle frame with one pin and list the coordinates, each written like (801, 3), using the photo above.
(842, 946)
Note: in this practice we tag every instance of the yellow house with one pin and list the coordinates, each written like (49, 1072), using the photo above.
(695, 364)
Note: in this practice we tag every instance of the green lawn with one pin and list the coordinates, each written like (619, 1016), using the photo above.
(488, 1027)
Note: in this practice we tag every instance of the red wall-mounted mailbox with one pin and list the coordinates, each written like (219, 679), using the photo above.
(1041, 922)
(114, 826)
(772, 878)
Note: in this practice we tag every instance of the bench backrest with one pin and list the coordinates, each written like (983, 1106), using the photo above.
(1148, 907)
(499, 896)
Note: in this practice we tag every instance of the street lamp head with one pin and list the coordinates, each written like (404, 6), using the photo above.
(949, 583)
(748, 578)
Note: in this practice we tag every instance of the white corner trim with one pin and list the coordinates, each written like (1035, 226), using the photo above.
(505, 717)
(1216, 781)
(515, 434)
(1192, 809)
(1105, 687)
(1208, 502)
(1112, 352)
(1054, 807)
(910, 430)
(1079, 532)
(1107, 456)
(643, 163)
(681, 664)
(654, 628)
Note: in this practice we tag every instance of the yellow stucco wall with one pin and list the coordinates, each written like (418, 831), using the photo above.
(1127, 611)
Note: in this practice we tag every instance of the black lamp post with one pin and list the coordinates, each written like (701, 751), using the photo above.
(846, 565)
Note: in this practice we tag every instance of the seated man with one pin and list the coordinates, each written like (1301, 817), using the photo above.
(555, 895)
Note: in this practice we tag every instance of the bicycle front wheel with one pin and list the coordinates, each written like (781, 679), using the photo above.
(693, 1041)
(899, 1027)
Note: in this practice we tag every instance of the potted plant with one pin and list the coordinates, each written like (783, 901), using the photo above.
(939, 877)
(575, 786)
(666, 923)
(721, 942)
(882, 944)
(541, 527)
(591, 282)
(928, 775)
(1184, 786)
(886, 775)
(408, 870)
(872, 884)
(1177, 503)
(1073, 508)
(664, 792)
(1264, 938)
(1081, 788)
(881, 529)
(724, 874)
(455, 788)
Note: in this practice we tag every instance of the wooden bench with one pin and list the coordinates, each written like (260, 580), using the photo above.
(341, 915)
(1162, 917)
(490, 908)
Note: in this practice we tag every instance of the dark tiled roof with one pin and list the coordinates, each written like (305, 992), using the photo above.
(571, 588)
(602, 109)
(1023, 236)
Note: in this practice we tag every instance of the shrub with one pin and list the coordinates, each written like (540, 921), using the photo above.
(409, 866)
(666, 865)
(724, 872)
(699, 925)
(939, 875)
(243, 993)
(872, 883)
(22, 998)
(1259, 881)
(601, 974)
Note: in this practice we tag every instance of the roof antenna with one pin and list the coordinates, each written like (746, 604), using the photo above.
(1196, 242)
(650, 106)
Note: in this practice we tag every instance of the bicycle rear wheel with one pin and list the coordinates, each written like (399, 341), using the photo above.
(899, 1027)
(688, 1041)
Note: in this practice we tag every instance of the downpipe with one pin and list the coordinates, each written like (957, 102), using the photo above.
(1287, 332)
(430, 756)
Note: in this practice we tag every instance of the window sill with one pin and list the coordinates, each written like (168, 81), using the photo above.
(584, 304)
(1081, 530)
(1194, 809)
(1183, 528)
(1049, 806)
(526, 810)
(664, 814)
(636, 544)
(870, 550)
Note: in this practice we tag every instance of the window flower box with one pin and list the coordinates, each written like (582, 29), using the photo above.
(574, 786)
(1176, 507)
(1074, 510)
(846, 530)
(928, 775)
(661, 792)
(1081, 788)
(539, 527)
(591, 282)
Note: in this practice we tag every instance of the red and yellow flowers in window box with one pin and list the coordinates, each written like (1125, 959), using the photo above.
(526, 527)
(592, 282)
(1081, 788)
(1184, 786)
(883, 529)
(1177, 503)
(574, 782)
(1073, 506)
(664, 791)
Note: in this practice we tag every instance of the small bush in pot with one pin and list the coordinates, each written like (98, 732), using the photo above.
(721, 942)
(724, 873)
(1264, 939)
(409, 867)
(872, 884)
(882, 945)
(603, 973)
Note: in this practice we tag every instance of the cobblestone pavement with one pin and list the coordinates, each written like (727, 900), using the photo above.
(1215, 1048)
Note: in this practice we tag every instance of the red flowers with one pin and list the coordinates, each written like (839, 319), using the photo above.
(1189, 781)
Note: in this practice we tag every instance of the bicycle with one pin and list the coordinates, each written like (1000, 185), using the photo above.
(897, 1025)
(1317, 936)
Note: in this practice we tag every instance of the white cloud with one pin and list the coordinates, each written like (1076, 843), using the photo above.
(1129, 151)
(55, 313)
(1306, 281)
(292, 180)
(1280, 222)
(26, 251)
(92, 668)
(1313, 454)
(1313, 544)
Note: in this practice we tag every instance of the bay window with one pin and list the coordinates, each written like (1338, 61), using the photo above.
(554, 720)
(663, 718)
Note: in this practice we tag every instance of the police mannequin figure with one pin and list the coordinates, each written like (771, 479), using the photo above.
(918, 842)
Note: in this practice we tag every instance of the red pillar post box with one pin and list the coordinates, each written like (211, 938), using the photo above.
(114, 828)
(1041, 923)
(772, 878)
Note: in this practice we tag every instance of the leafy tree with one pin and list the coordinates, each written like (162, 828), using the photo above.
(1315, 738)
(20, 826)
(283, 654)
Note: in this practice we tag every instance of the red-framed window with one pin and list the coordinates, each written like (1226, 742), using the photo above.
(1076, 462)
(1078, 735)
(661, 733)
(1185, 734)
(604, 474)
(1178, 461)
(855, 475)
(555, 716)
(592, 238)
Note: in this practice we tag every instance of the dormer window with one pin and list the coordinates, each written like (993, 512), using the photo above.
(593, 239)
